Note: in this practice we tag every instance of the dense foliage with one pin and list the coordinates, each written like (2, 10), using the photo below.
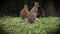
(15, 25)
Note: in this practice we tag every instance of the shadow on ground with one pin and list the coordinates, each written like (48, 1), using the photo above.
(2, 31)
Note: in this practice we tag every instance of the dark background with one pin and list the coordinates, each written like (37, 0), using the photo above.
(13, 7)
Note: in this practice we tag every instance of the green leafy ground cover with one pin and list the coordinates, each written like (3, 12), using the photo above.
(15, 25)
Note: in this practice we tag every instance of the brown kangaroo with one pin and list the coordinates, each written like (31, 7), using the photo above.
(33, 13)
(24, 12)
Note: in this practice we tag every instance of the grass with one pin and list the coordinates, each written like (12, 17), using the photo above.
(15, 25)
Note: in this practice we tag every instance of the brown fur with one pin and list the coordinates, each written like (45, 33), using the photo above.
(24, 12)
(33, 13)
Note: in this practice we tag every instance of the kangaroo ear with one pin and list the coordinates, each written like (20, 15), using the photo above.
(36, 2)
(25, 5)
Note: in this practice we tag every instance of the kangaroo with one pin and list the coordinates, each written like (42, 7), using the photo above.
(24, 12)
(33, 13)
